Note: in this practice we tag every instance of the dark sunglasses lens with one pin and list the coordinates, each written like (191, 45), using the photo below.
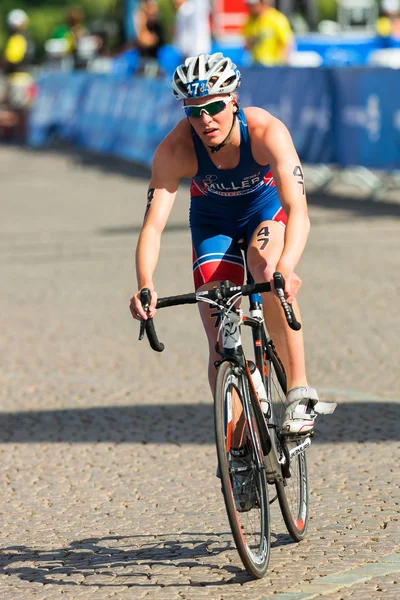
(192, 111)
(212, 109)
(216, 107)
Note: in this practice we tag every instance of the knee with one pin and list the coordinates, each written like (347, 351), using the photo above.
(262, 270)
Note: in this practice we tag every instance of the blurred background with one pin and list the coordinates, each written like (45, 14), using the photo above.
(80, 73)
(117, 22)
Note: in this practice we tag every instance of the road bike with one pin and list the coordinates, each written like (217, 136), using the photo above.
(249, 403)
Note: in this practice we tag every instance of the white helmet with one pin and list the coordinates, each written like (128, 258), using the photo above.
(17, 18)
(205, 75)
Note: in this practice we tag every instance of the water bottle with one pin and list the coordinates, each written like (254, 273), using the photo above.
(260, 389)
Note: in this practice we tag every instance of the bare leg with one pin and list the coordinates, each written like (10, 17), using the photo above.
(262, 259)
(209, 317)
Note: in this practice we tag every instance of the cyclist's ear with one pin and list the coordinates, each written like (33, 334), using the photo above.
(235, 103)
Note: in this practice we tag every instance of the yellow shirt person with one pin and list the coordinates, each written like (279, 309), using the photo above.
(16, 48)
(268, 35)
(389, 23)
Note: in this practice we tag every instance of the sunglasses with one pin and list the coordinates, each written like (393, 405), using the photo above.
(210, 108)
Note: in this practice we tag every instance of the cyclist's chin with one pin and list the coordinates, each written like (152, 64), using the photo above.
(213, 138)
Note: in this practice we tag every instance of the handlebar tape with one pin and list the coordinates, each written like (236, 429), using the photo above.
(279, 284)
(145, 299)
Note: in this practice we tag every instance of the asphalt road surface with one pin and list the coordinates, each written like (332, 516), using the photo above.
(107, 458)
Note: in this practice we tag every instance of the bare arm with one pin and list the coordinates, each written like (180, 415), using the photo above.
(145, 37)
(289, 179)
(170, 164)
(160, 199)
(274, 143)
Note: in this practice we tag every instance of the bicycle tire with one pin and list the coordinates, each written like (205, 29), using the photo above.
(250, 528)
(292, 490)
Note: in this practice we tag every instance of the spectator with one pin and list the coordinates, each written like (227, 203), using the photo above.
(18, 53)
(73, 32)
(16, 62)
(268, 35)
(388, 25)
(192, 27)
(149, 34)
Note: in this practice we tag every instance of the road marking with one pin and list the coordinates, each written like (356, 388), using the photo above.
(333, 583)
(356, 395)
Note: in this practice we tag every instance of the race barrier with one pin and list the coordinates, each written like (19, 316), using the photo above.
(368, 117)
(347, 116)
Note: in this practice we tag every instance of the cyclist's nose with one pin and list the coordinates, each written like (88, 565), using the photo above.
(205, 117)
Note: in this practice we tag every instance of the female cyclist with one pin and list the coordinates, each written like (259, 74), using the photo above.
(247, 182)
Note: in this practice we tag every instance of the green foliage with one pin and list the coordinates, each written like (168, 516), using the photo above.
(167, 16)
(43, 22)
(327, 9)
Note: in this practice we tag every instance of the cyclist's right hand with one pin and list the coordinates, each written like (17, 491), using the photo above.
(136, 307)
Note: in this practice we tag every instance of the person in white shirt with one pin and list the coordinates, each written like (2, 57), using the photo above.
(192, 27)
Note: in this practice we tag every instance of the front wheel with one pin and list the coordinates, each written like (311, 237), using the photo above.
(243, 478)
(292, 490)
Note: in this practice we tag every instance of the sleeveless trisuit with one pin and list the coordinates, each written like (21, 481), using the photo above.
(227, 205)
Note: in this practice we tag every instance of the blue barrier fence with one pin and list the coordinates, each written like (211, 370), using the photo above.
(341, 50)
(346, 116)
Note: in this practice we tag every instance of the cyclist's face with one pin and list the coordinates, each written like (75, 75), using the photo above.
(212, 129)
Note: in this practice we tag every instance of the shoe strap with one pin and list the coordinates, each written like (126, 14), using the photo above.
(301, 393)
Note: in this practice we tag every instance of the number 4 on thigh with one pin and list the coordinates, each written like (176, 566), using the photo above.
(263, 237)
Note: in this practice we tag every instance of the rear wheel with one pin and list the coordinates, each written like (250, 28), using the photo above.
(248, 518)
(293, 489)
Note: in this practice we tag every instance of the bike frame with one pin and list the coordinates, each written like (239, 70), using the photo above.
(232, 348)
(273, 453)
(262, 345)
(232, 351)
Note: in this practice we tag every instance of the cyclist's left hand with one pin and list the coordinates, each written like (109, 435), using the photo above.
(292, 282)
(136, 307)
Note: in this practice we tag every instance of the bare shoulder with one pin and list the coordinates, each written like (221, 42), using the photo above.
(263, 125)
(267, 133)
(175, 157)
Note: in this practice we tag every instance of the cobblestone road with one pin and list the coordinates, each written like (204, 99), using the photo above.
(107, 461)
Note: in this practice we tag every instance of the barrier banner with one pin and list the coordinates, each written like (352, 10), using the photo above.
(340, 50)
(149, 115)
(112, 115)
(302, 99)
(368, 117)
(100, 111)
(348, 116)
(56, 108)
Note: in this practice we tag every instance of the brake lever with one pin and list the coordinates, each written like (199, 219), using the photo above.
(148, 325)
(145, 300)
(142, 329)
(279, 284)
